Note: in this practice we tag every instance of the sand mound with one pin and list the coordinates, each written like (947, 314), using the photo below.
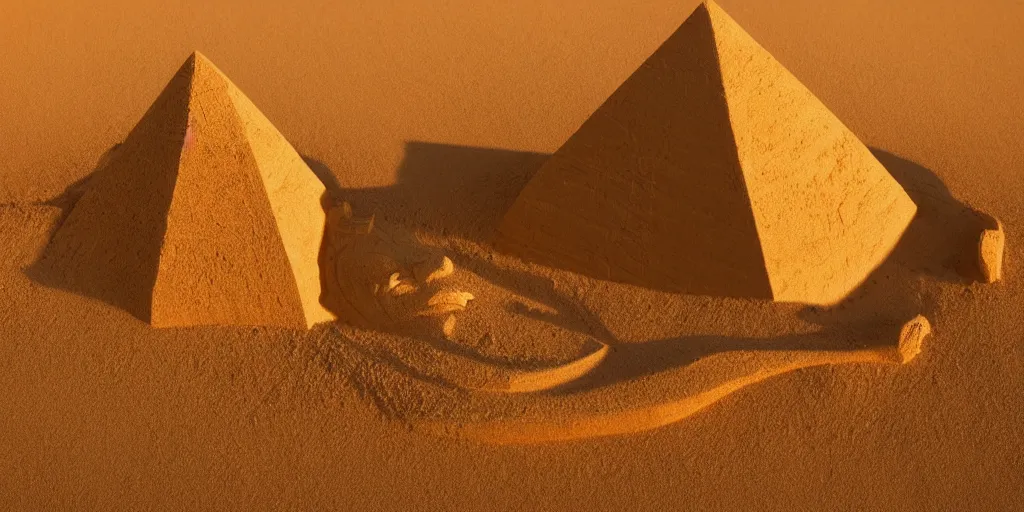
(204, 215)
(712, 170)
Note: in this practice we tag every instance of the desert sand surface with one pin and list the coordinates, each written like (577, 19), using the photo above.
(433, 117)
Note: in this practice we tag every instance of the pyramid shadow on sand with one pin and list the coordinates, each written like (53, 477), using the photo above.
(65, 201)
(940, 245)
(941, 241)
(453, 191)
(460, 191)
(463, 191)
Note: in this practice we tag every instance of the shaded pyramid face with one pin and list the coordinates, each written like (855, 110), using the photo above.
(713, 171)
(205, 215)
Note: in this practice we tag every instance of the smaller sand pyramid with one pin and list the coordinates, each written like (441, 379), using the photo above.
(712, 170)
(205, 215)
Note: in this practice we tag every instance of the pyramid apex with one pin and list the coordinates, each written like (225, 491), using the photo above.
(717, 13)
(198, 57)
(707, 5)
(704, 10)
(200, 64)
(713, 9)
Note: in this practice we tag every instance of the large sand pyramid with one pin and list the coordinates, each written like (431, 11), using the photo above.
(204, 215)
(712, 170)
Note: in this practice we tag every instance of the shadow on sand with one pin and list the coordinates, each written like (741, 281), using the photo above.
(66, 200)
(103, 284)
(940, 245)
(464, 191)
(453, 191)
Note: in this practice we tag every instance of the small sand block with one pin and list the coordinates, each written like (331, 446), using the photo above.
(446, 302)
(432, 270)
(448, 328)
(912, 335)
(990, 253)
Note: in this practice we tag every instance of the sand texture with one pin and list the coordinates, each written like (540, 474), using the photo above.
(712, 170)
(461, 375)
